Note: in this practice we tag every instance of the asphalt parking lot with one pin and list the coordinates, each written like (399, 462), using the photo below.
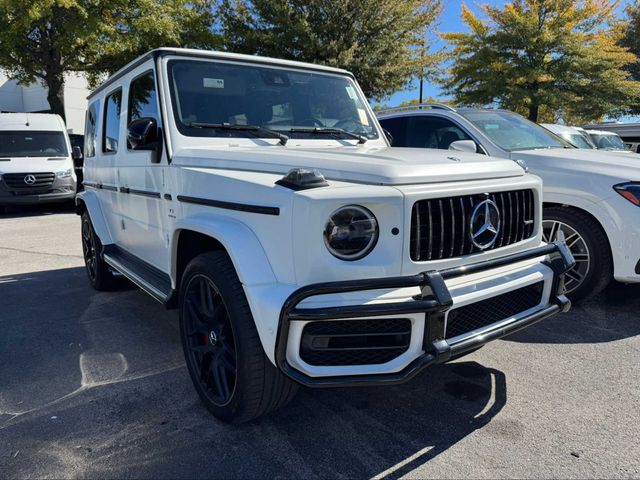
(94, 385)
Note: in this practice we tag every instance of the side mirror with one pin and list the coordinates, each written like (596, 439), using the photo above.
(387, 134)
(76, 153)
(464, 146)
(144, 134)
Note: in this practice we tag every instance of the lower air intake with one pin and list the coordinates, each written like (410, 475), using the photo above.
(354, 342)
(482, 314)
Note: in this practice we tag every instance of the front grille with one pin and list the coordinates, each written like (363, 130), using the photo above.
(440, 228)
(355, 342)
(16, 181)
(482, 314)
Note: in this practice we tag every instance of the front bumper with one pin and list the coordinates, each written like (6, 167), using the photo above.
(434, 302)
(61, 190)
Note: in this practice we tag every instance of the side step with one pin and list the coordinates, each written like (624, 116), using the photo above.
(149, 278)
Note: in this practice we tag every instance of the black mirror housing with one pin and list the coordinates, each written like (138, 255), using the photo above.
(144, 134)
(76, 153)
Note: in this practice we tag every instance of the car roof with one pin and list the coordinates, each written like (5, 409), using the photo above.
(419, 109)
(31, 121)
(213, 54)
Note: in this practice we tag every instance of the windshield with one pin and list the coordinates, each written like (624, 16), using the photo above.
(512, 132)
(32, 144)
(577, 140)
(209, 94)
(607, 142)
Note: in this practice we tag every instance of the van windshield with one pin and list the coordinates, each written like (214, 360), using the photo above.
(218, 99)
(32, 144)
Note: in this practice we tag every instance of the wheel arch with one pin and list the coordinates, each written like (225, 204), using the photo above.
(193, 236)
(88, 201)
(592, 210)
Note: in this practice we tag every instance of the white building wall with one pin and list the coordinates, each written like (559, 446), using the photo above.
(33, 98)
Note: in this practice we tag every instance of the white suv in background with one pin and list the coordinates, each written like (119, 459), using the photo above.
(35, 160)
(592, 197)
(260, 197)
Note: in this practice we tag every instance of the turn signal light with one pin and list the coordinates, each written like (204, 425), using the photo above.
(630, 191)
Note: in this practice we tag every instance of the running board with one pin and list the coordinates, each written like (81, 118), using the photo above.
(149, 278)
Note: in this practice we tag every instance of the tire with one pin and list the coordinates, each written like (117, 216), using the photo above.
(227, 364)
(588, 244)
(100, 276)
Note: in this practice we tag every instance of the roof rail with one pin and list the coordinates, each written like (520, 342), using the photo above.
(418, 106)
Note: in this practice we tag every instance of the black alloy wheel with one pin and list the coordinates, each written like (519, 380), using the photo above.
(210, 340)
(89, 249)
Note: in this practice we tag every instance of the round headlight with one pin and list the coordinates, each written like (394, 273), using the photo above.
(351, 232)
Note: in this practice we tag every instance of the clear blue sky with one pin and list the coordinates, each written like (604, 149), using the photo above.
(449, 22)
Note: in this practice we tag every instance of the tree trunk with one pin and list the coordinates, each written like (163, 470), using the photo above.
(55, 93)
(533, 112)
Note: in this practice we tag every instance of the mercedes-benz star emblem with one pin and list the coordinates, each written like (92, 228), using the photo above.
(484, 224)
(30, 179)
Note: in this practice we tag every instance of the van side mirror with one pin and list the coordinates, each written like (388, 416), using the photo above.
(464, 146)
(76, 153)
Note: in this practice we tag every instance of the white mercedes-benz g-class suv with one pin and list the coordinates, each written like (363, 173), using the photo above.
(261, 198)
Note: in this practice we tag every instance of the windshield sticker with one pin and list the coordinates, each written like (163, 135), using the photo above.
(213, 83)
(362, 113)
(351, 92)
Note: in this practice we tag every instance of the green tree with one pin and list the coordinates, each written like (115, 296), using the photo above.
(44, 39)
(559, 56)
(380, 41)
(631, 40)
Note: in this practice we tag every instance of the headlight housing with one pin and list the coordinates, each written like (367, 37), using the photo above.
(64, 174)
(630, 191)
(351, 232)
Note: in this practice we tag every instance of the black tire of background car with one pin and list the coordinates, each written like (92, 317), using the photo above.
(103, 278)
(600, 272)
(260, 387)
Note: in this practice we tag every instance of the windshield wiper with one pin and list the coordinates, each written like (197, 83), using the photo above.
(330, 131)
(242, 128)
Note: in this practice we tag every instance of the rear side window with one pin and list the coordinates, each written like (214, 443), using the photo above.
(432, 132)
(111, 130)
(396, 127)
(90, 131)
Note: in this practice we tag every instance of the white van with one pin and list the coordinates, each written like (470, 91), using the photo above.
(36, 165)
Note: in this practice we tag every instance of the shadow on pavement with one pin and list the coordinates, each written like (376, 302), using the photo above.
(18, 211)
(609, 316)
(94, 384)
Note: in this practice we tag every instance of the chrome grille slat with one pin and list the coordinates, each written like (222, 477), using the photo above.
(463, 217)
(441, 249)
(440, 227)
(452, 242)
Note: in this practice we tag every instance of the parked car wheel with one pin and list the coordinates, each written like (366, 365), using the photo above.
(100, 275)
(588, 244)
(228, 366)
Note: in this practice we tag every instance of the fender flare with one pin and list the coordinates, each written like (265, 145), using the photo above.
(91, 202)
(241, 243)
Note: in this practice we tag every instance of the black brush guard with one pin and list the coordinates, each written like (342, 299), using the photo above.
(434, 301)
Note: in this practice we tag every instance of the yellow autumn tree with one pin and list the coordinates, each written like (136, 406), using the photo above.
(551, 57)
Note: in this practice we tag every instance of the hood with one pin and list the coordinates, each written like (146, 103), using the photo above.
(34, 164)
(371, 165)
(593, 161)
